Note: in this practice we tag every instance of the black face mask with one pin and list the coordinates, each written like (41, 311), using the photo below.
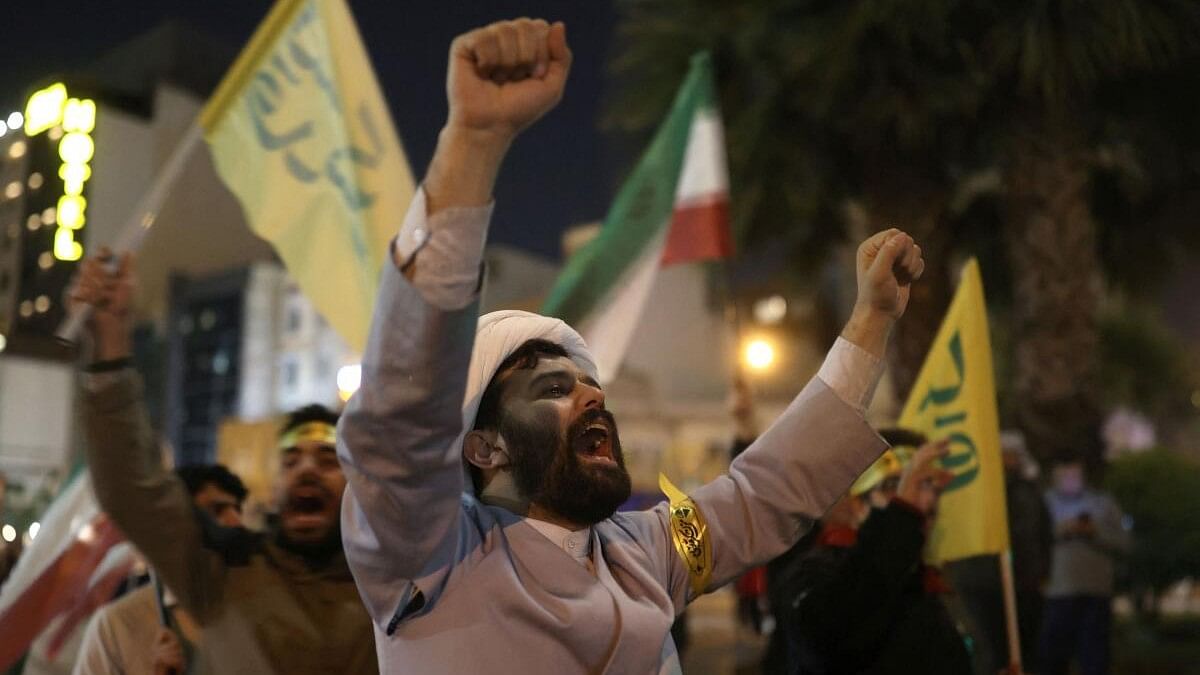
(547, 470)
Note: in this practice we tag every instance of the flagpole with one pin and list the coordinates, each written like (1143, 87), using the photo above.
(131, 236)
(1010, 613)
(164, 618)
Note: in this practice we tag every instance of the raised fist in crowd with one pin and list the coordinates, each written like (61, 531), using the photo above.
(506, 75)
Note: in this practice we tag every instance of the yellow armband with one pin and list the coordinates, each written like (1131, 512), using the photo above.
(690, 534)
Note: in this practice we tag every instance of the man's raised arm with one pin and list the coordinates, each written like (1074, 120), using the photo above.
(798, 468)
(397, 438)
(810, 455)
(149, 503)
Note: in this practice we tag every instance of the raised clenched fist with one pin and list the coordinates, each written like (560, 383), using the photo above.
(888, 263)
(505, 76)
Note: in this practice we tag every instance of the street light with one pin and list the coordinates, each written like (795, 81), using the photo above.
(758, 354)
(348, 380)
(770, 310)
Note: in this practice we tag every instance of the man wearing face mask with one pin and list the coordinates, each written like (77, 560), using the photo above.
(279, 602)
(127, 636)
(1088, 538)
(520, 562)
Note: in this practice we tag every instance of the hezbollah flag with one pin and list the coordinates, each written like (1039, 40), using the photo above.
(673, 209)
(300, 133)
(955, 398)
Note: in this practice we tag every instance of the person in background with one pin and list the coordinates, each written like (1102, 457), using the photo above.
(1031, 534)
(977, 580)
(127, 637)
(282, 601)
(1089, 536)
(860, 600)
(874, 489)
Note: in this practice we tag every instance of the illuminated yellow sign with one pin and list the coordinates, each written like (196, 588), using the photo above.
(65, 246)
(45, 108)
(79, 116)
(76, 148)
(71, 210)
(74, 176)
(49, 108)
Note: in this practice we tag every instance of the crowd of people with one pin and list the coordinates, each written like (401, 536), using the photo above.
(462, 513)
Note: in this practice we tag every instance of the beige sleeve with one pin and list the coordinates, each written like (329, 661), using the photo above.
(146, 501)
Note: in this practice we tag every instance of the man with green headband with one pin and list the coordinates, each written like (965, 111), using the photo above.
(282, 601)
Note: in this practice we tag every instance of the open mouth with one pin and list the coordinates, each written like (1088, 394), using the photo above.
(306, 507)
(594, 444)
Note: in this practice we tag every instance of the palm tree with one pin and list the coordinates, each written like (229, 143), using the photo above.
(1048, 64)
(851, 114)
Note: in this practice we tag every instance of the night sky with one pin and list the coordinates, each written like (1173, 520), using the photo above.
(561, 172)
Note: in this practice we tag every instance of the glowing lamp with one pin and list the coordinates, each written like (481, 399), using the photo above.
(770, 310)
(348, 380)
(759, 354)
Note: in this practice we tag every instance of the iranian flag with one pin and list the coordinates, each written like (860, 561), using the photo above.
(72, 566)
(673, 209)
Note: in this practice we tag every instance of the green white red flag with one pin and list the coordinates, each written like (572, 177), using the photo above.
(673, 209)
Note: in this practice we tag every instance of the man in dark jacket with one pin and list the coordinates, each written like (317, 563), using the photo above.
(860, 600)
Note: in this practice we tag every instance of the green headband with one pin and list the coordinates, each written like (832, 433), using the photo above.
(322, 432)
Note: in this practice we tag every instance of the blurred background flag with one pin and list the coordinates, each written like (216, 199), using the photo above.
(673, 209)
(72, 566)
(301, 134)
(955, 398)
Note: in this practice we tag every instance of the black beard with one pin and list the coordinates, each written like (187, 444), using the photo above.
(316, 554)
(548, 472)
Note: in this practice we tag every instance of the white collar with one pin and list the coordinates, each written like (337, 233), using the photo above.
(577, 544)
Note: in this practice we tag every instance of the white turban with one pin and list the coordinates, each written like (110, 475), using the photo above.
(497, 336)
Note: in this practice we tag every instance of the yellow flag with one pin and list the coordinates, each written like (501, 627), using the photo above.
(955, 398)
(301, 134)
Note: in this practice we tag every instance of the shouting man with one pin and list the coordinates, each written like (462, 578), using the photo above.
(283, 602)
(520, 563)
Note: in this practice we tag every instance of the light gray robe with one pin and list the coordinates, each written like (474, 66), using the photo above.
(457, 586)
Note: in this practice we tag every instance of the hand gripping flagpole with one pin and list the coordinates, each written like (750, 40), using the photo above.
(130, 238)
